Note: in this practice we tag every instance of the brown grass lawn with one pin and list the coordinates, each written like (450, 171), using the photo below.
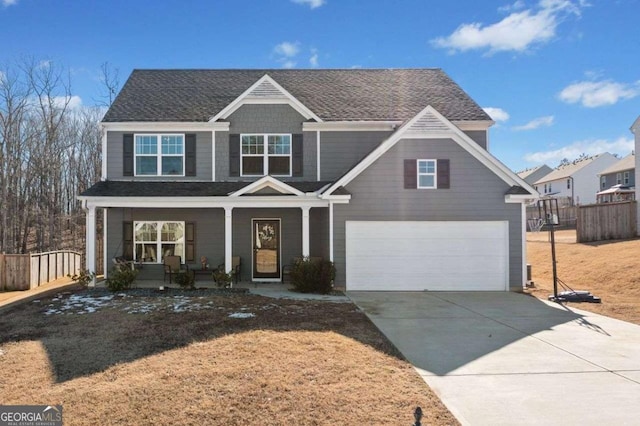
(172, 360)
(608, 269)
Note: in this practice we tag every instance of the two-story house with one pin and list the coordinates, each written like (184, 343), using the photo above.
(384, 172)
(617, 182)
(534, 174)
(576, 182)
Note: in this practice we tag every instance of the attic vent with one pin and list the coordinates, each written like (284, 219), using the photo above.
(428, 122)
(266, 90)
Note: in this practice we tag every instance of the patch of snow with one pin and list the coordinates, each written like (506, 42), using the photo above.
(242, 315)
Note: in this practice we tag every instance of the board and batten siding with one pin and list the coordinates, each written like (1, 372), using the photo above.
(476, 194)
(266, 119)
(115, 157)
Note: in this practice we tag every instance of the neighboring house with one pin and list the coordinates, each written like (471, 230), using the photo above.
(635, 129)
(384, 172)
(617, 182)
(534, 174)
(577, 182)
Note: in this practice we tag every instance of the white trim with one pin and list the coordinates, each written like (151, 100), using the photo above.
(268, 182)
(453, 133)
(244, 99)
(165, 126)
(331, 231)
(470, 125)
(635, 127)
(520, 198)
(105, 263)
(159, 155)
(305, 231)
(523, 208)
(317, 154)
(206, 202)
(103, 132)
(265, 154)
(351, 126)
(253, 252)
(213, 155)
(228, 239)
(90, 238)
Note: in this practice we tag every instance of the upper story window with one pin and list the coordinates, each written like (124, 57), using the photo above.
(569, 183)
(618, 178)
(159, 155)
(427, 174)
(265, 154)
(603, 182)
(626, 178)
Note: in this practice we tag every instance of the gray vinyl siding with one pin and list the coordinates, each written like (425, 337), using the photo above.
(611, 179)
(203, 157)
(476, 194)
(266, 119)
(479, 136)
(340, 151)
(209, 224)
(319, 232)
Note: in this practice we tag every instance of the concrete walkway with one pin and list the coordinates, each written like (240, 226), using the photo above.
(511, 359)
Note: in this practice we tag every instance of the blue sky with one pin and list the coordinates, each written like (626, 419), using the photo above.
(560, 77)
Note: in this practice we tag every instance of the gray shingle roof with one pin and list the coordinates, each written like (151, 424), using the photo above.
(113, 188)
(627, 163)
(332, 94)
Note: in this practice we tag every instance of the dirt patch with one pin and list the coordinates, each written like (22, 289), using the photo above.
(208, 359)
(608, 269)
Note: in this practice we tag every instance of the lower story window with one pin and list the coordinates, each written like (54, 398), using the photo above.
(155, 240)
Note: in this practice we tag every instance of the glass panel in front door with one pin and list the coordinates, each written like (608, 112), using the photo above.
(266, 249)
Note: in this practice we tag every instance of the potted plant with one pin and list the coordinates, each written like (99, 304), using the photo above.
(185, 279)
(222, 278)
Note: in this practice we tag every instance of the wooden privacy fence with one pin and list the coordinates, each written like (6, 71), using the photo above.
(610, 221)
(27, 271)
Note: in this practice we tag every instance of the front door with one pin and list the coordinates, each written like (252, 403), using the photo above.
(266, 249)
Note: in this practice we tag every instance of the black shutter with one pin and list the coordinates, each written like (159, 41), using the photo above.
(190, 239)
(127, 154)
(297, 158)
(234, 154)
(444, 174)
(410, 174)
(190, 154)
(127, 240)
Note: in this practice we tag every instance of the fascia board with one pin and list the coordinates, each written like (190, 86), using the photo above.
(154, 126)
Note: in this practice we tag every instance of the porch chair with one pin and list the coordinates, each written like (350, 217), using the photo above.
(172, 265)
(235, 268)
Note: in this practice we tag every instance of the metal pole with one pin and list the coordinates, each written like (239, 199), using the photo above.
(553, 259)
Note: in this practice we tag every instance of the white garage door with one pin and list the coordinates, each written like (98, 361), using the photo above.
(417, 256)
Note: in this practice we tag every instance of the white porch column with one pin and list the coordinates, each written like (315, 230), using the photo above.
(331, 231)
(305, 231)
(90, 229)
(228, 223)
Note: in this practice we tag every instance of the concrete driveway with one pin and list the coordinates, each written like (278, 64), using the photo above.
(510, 359)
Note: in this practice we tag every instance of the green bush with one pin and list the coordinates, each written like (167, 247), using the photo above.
(313, 276)
(83, 278)
(121, 278)
(222, 279)
(185, 279)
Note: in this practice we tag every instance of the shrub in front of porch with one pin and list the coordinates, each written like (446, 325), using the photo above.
(121, 278)
(313, 276)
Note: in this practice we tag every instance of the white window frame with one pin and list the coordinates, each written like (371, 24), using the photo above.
(434, 174)
(265, 154)
(626, 177)
(159, 241)
(159, 154)
(603, 182)
(618, 178)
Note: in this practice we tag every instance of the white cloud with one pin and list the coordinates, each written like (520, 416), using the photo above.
(313, 60)
(288, 64)
(545, 121)
(287, 49)
(593, 94)
(622, 146)
(497, 114)
(72, 102)
(311, 3)
(518, 5)
(7, 3)
(516, 32)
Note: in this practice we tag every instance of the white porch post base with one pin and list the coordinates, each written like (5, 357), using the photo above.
(90, 230)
